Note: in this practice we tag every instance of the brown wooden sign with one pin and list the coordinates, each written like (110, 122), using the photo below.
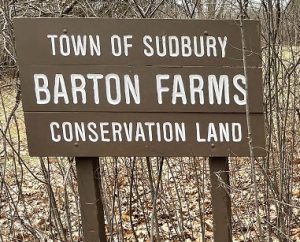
(140, 89)
(141, 42)
(131, 134)
(95, 87)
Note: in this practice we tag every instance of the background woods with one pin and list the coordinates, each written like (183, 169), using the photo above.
(161, 199)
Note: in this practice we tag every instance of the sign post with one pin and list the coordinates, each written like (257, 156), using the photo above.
(141, 87)
(92, 212)
(221, 202)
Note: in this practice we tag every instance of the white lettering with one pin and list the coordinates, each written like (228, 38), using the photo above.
(116, 131)
(93, 136)
(52, 38)
(241, 89)
(103, 132)
(116, 45)
(79, 44)
(64, 44)
(223, 44)
(95, 78)
(178, 90)
(54, 137)
(75, 78)
(186, 46)
(95, 45)
(211, 46)
(41, 88)
(79, 131)
(60, 90)
(167, 131)
(212, 133)
(147, 40)
(67, 131)
(196, 89)
(236, 132)
(127, 45)
(218, 89)
(161, 46)
(108, 80)
(159, 88)
(134, 90)
(173, 46)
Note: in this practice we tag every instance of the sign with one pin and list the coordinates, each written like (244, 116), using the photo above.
(139, 87)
